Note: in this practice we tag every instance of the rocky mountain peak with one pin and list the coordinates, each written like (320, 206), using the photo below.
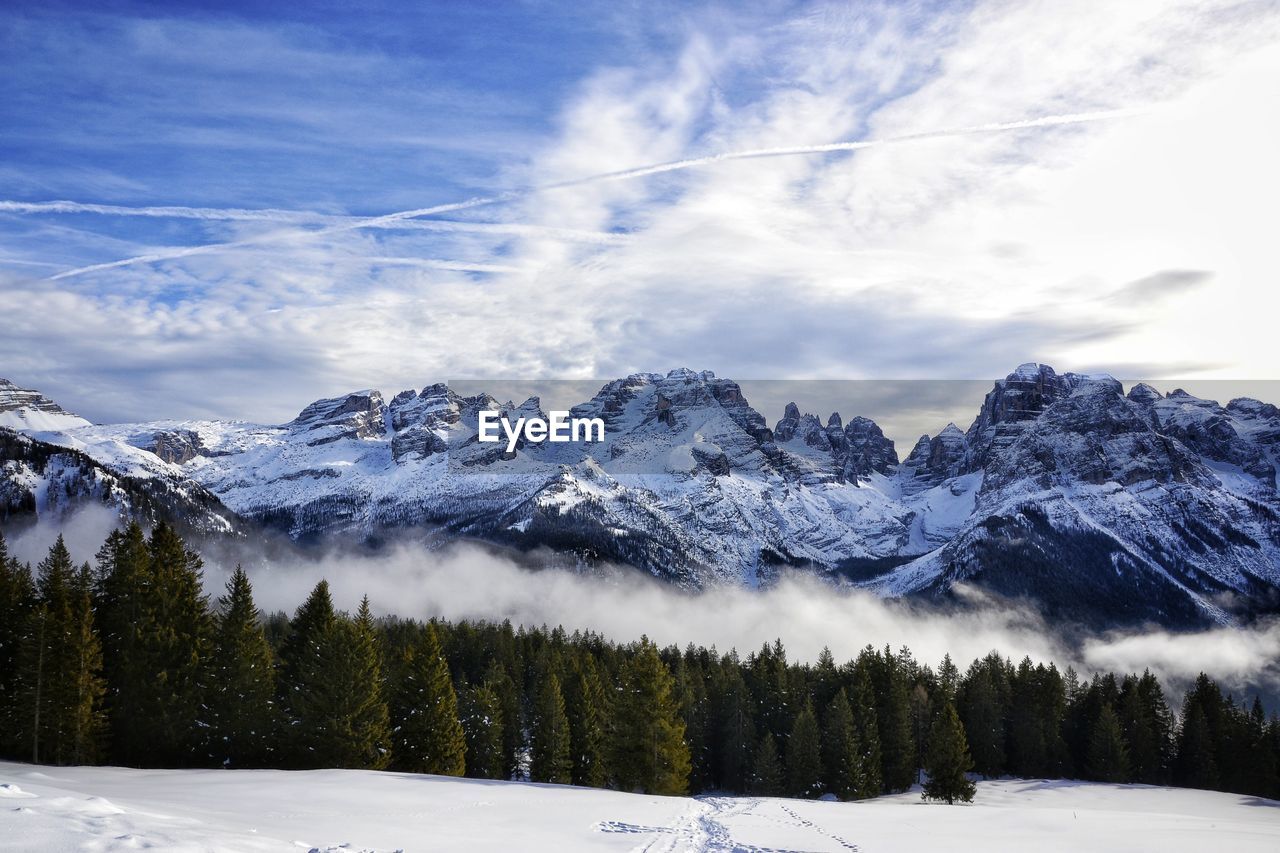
(26, 409)
(356, 415)
(1144, 394)
(934, 460)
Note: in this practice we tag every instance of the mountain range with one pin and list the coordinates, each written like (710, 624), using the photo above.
(1101, 506)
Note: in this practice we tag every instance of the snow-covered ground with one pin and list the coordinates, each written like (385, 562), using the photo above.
(110, 809)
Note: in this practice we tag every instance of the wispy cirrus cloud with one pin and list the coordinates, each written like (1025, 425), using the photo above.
(902, 198)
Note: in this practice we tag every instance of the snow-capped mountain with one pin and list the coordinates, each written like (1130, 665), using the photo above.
(24, 409)
(1100, 505)
(53, 477)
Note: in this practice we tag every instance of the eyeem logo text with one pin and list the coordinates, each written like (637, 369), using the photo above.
(558, 426)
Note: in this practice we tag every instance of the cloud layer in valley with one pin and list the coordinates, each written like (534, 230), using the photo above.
(806, 613)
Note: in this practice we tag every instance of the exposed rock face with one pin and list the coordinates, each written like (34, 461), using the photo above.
(1017, 400)
(358, 415)
(844, 453)
(1093, 435)
(1210, 430)
(24, 409)
(176, 447)
(1258, 422)
(934, 460)
(866, 450)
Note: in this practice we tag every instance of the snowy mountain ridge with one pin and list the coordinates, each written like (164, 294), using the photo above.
(1098, 504)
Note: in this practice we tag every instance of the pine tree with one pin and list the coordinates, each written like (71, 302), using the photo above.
(898, 758)
(695, 710)
(804, 758)
(651, 755)
(428, 737)
(1147, 726)
(156, 631)
(298, 669)
(329, 683)
(1197, 766)
(549, 759)
(866, 781)
(176, 648)
(766, 775)
(85, 687)
(122, 598)
(371, 718)
(587, 706)
(948, 680)
(481, 718)
(734, 727)
(241, 695)
(948, 760)
(1263, 764)
(981, 706)
(498, 679)
(1108, 757)
(826, 679)
(58, 685)
(840, 751)
(17, 603)
(767, 679)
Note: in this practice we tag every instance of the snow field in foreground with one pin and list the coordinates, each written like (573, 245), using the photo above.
(111, 809)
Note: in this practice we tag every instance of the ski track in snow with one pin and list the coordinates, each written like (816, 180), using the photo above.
(703, 829)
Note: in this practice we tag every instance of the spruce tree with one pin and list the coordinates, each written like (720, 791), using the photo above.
(695, 710)
(735, 728)
(58, 684)
(866, 781)
(156, 630)
(898, 758)
(948, 760)
(1197, 765)
(17, 600)
(587, 706)
(549, 758)
(767, 679)
(982, 709)
(17, 604)
(840, 758)
(651, 755)
(330, 688)
(766, 776)
(122, 597)
(428, 736)
(1147, 726)
(804, 757)
(85, 687)
(481, 718)
(370, 715)
(948, 680)
(498, 679)
(1108, 757)
(241, 695)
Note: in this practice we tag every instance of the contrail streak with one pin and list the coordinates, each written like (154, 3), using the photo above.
(163, 212)
(389, 219)
(304, 217)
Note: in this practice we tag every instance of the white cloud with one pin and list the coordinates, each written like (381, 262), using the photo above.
(466, 582)
(950, 257)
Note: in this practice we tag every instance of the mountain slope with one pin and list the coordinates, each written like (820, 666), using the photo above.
(1098, 505)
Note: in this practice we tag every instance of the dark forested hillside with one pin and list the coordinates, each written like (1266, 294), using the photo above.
(125, 661)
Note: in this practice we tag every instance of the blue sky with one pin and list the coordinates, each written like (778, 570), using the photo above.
(1118, 238)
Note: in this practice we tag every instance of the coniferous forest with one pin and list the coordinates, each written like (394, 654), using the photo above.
(125, 661)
